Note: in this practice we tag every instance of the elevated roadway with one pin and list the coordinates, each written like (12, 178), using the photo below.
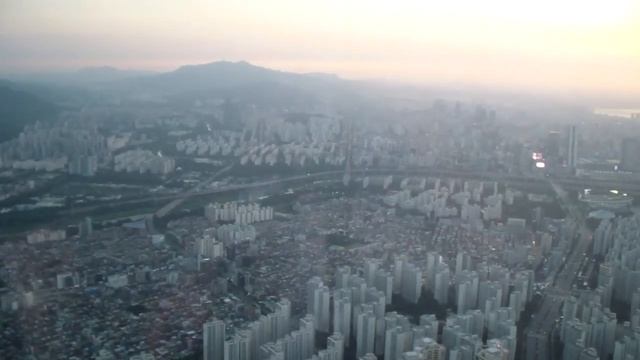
(175, 199)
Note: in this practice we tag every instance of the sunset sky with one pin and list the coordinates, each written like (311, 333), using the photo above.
(543, 44)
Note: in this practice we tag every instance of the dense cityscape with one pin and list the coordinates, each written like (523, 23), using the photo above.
(229, 211)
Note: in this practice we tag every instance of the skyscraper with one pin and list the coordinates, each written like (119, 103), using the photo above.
(463, 262)
(429, 349)
(232, 348)
(376, 299)
(411, 283)
(397, 273)
(441, 284)
(384, 283)
(366, 324)
(337, 341)
(572, 151)
(630, 160)
(342, 277)
(433, 259)
(313, 284)
(283, 317)
(307, 328)
(462, 297)
(213, 340)
(397, 341)
(370, 269)
(318, 298)
(342, 313)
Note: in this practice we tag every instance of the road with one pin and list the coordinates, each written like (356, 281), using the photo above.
(173, 200)
(517, 180)
(200, 192)
(539, 334)
(162, 212)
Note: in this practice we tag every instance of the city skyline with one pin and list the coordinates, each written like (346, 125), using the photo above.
(302, 180)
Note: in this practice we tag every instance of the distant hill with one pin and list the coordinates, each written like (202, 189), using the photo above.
(19, 108)
(222, 75)
(88, 76)
(238, 81)
(106, 74)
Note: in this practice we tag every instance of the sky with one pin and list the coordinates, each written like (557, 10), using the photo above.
(581, 45)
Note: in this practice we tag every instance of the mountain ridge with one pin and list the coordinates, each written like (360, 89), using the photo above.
(19, 108)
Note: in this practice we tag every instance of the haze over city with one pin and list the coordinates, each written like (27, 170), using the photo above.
(319, 180)
(580, 46)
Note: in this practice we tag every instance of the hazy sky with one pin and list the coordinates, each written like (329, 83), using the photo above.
(560, 44)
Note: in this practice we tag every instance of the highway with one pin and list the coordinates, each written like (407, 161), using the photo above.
(199, 192)
(162, 212)
(176, 199)
(539, 334)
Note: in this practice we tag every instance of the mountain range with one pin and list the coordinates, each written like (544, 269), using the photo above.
(19, 108)
(226, 76)
(27, 98)
(215, 75)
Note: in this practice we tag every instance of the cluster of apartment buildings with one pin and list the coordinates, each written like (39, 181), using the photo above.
(489, 301)
(590, 329)
(143, 162)
(243, 214)
(442, 201)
